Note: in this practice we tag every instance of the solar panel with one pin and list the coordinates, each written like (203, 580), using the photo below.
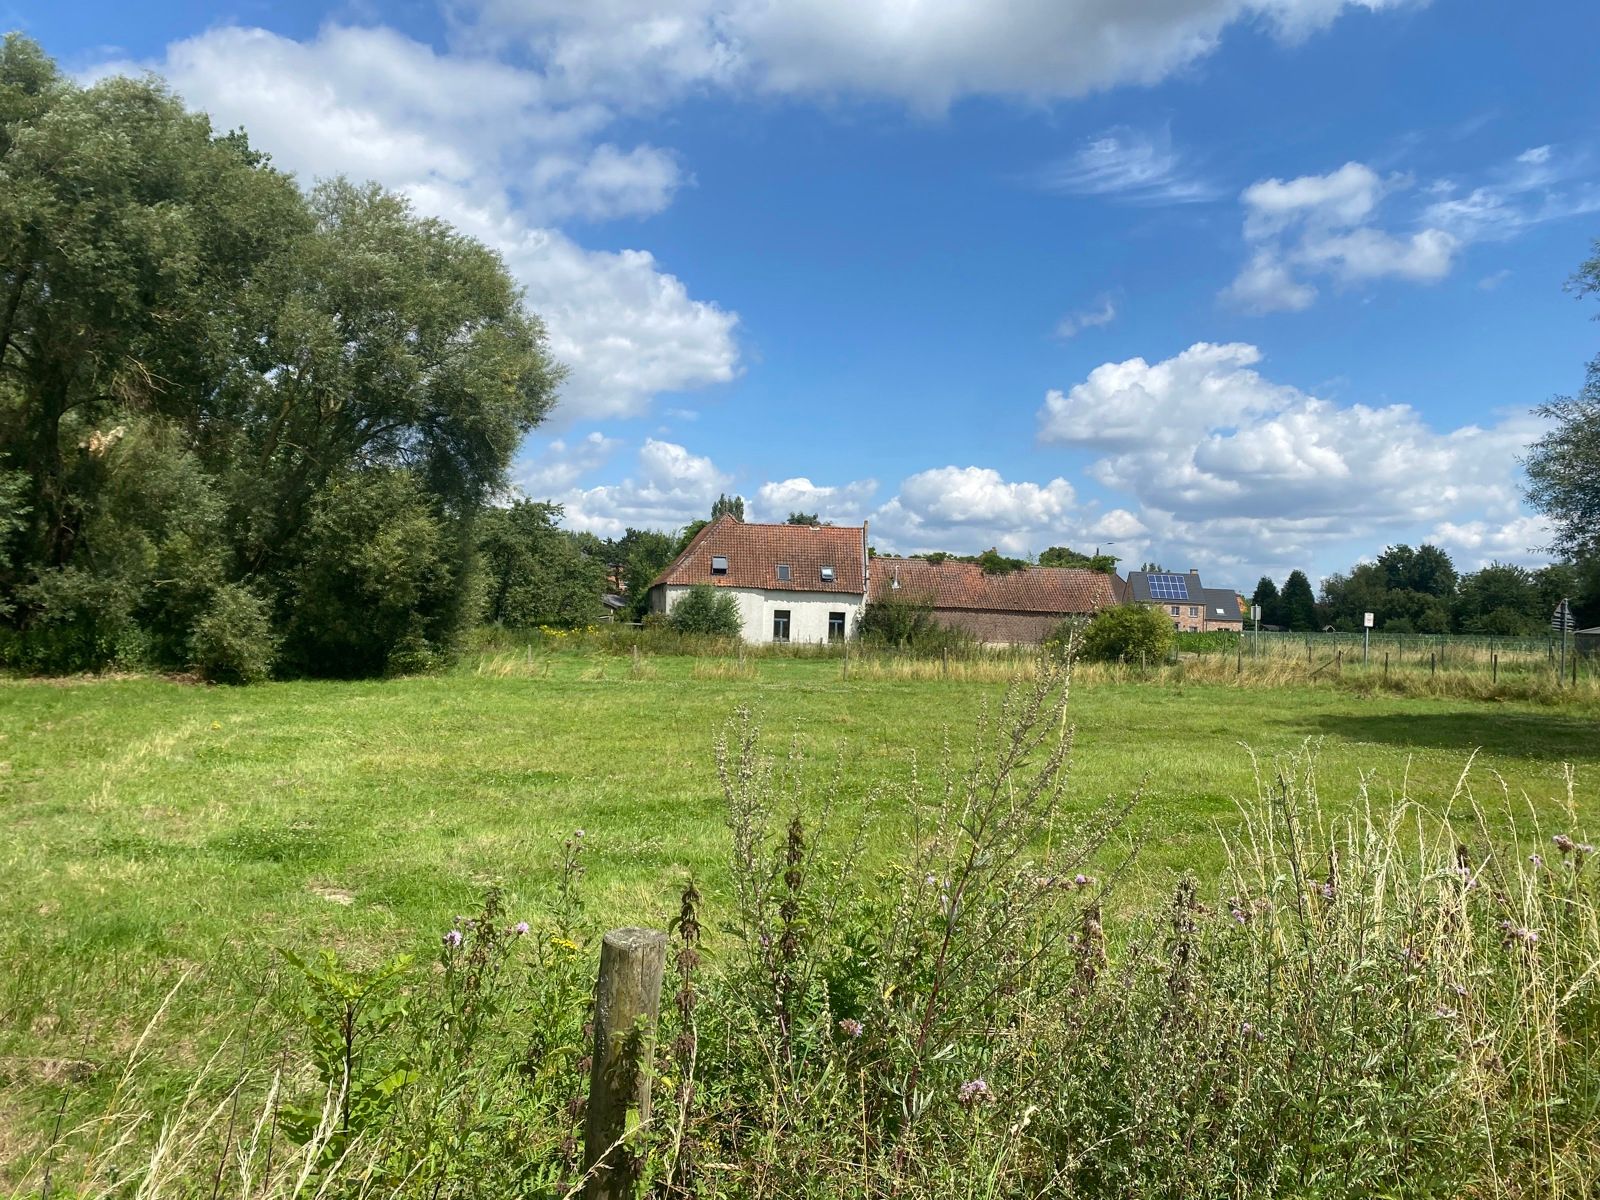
(1168, 587)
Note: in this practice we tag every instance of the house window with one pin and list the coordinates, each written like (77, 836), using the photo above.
(835, 626)
(780, 625)
(719, 564)
(1174, 607)
(783, 572)
(1194, 610)
(827, 574)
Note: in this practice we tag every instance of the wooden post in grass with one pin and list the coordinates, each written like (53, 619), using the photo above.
(1338, 662)
(1386, 664)
(1239, 669)
(1494, 668)
(1433, 663)
(626, 1003)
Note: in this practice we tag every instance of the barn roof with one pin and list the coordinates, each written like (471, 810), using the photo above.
(952, 584)
(753, 554)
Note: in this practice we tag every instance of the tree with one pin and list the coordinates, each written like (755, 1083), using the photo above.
(707, 611)
(726, 505)
(536, 573)
(995, 563)
(1129, 633)
(1153, 568)
(1563, 466)
(804, 518)
(1346, 597)
(1427, 569)
(899, 619)
(1265, 601)
(645, 554)
(199, 367)
(1297, 605)
(1499, 599)
(1066, 556)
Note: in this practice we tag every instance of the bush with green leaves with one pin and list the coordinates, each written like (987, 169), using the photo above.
(1130, 633)
(706, 611)
(233, 639)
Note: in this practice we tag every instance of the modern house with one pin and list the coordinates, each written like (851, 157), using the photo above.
(793, 583)
(1193, 607)
(1002, 607)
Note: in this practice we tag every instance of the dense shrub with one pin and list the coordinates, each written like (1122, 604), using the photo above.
(1129, 633)
(233, 640)
(707, 611)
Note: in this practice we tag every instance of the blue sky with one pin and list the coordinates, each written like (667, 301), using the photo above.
(1242, 285)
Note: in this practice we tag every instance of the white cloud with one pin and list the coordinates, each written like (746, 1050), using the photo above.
(501, 152)
(842, 503)
(1102, 313)
(561, 464)
(1321, 225)
(1475, 544)
(1326, 225)
(1226, 464)
(669, 488)
(1124, 163)
(926, 55)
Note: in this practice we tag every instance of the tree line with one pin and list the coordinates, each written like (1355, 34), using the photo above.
(1419, 591)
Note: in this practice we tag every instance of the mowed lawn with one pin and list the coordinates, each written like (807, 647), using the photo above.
(151, 825)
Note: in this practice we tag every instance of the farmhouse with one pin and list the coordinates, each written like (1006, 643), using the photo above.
(1001, 607)
(793, 583)
(1192, 606)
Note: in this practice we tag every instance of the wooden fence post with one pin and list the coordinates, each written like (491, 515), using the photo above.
(627, 1001)
(1494, 668)
(1433, 663)
(1386, 664)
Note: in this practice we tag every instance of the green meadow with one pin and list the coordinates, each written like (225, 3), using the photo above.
(156, 828)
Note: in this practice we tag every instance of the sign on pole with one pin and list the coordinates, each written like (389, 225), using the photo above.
(1366, 636)
(1563, 622)
(1366, 620)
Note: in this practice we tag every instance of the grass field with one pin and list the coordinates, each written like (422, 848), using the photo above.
(153, 826)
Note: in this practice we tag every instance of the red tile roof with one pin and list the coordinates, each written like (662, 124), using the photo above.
(963, 585)
(754, 553)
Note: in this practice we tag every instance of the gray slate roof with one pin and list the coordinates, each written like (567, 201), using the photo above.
(1137, 591)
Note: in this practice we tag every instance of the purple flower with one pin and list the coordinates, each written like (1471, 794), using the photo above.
(1564, 844)
(851, 1028)
(1241, 916)
(520, 928)
(1536, 860)
(973, 1091)
(452, 939)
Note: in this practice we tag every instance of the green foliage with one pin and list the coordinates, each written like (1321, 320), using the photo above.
(347, 1016)
(707, 611)
(728, 506)
(804, 518)
(1265, 601)
(1563, 466)
(536, 573)
(644, 554)
(1129, 633)
(193, 353)
(1066, 556)
(377, 569)
(898, 619)
(1297, 605)
(233, 639)
(995, 563)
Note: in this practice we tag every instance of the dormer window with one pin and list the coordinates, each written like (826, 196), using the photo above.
(719, 564)
(827, 574)
(783, 572)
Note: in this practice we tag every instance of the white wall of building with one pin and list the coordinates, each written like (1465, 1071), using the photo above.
(808, 611)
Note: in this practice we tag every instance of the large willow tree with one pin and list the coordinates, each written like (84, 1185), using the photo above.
(221, 395)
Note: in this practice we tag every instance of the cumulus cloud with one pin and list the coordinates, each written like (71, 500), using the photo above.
(1224, 463)
(925, 55)
(1321, 225)
(668, 488)
(499, 151)
(843, 503)
(1475, 544)
(1327, 225)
